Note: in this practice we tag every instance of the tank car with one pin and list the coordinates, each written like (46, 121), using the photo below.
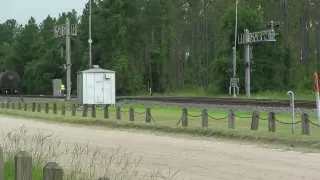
(9, 82)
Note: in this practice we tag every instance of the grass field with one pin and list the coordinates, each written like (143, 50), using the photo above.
(169, 116)
(166, 119)
(306, 95)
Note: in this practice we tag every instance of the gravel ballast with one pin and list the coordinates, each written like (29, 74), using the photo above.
(249, 108)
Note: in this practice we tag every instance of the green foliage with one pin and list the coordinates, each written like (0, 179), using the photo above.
(9, 171)
(168, 45)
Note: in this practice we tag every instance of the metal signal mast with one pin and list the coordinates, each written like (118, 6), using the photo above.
(67, 30)
(248, 39)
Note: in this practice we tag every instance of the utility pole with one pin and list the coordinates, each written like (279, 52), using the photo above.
(247, 39)
(67, 30)
(90, 40)
(68, 59)
(318, 34)
(247, 62)
(234, 80)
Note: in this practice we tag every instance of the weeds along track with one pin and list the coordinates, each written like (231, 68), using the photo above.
(177, 99)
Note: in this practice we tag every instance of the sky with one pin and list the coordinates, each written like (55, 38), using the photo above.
(22, 10)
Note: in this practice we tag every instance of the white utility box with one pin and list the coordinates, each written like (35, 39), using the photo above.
(96, 86)
(56, 84)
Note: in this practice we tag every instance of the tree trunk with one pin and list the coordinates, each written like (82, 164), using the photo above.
(304, 22)
(150, 66)
(207, 54)
(192, 56)
(198, 50)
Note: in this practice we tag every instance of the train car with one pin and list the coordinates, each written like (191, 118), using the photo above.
(9, 82)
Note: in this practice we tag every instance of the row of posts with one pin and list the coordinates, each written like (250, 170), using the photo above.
(305, 124)
(37, 108)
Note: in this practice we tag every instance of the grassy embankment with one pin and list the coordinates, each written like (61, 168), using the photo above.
(307, 95)
(166, 119)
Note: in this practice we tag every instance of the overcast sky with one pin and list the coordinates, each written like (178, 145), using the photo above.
(22, 10)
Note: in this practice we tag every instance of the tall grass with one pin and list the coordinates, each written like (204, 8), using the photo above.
(9, 171)
(79, 161)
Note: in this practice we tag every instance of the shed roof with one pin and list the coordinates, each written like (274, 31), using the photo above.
(96, 69)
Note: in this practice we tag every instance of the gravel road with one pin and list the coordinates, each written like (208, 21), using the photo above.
(196, 159)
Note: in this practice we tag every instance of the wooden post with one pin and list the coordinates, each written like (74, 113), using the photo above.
(131, 115)
(93, 111)
(255, 120)
(305, 125)
(23, 166)
(54, 108)
(73, 110)
(118, 113)
(84, 110)
(63, 109)
(47, 108)
(184, 117)
(25, 106)
(272, 122)
(19, 106)
(52, 171)
(39, 107)
(231, 120)
(1, 164)
(204, 118)
(148, 115)
(33, 107)
(106, 111)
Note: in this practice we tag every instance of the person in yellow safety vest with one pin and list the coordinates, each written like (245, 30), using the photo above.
(62, 89)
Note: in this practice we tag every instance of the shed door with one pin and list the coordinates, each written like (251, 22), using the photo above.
(98, 90)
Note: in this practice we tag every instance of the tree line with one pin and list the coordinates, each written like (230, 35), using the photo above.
(170, 45)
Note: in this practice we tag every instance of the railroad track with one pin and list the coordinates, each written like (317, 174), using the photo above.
(193, 99)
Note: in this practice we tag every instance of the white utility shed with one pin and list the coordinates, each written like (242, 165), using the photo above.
(96, 86)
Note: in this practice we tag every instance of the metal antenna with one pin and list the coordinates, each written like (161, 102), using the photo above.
(90, 40)
(236, 26)
(235, 53)
(234, 80)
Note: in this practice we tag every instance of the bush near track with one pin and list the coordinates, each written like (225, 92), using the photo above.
(166, 119)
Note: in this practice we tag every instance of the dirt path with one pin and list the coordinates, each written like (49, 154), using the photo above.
(199, 159)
